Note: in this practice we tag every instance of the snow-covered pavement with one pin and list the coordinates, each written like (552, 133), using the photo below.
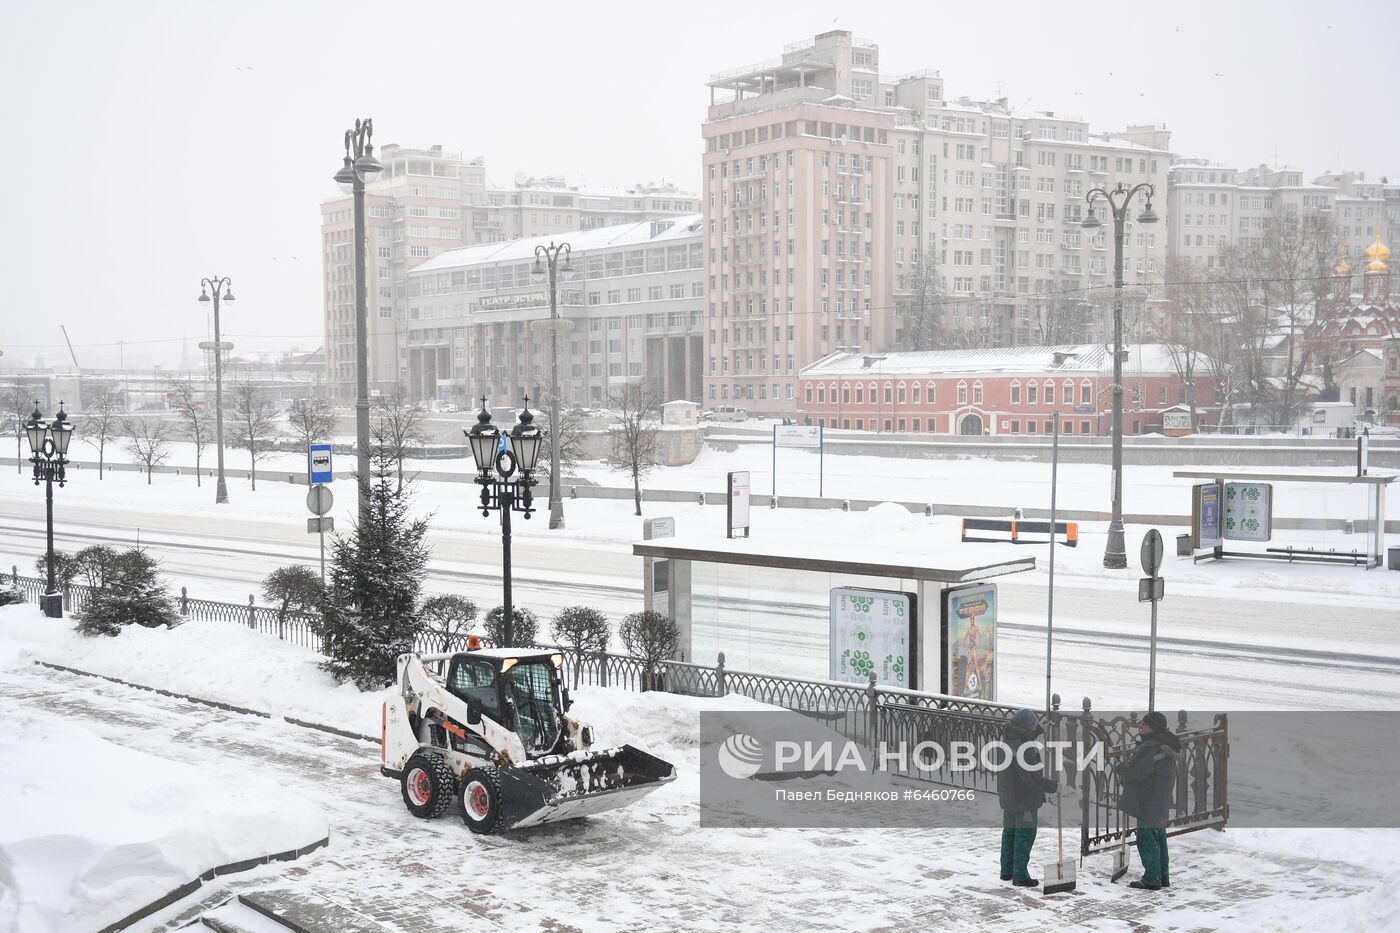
(651, 866)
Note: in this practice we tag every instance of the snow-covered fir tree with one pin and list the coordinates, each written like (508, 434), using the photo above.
(370, 615)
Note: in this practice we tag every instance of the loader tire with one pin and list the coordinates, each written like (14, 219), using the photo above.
(428, 786)
(480, 800)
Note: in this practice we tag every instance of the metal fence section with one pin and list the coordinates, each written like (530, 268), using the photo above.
(864, 713)
(1202, 780)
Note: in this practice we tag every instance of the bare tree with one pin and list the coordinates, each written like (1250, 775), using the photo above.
(311, 420)
(1191, 310)
(635, 440)
(1063, 319)
(196, 420)
(924, 325)
(146, 439)
(102, 419)
(1297, 254)
(254, 424)
(653, 638)
(570, 441)
(397, 426)
(14, 403)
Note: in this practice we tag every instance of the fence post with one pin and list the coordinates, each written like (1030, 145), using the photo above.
(1220, 751)
(1084, 784)
(252, 617)
(872, 707)
(14, 573)
(719, 677)
(184, 601)
(602, 669)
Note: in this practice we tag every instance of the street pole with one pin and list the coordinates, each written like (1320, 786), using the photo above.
(359, 165)
(48, 504)
(1115, 554)
(218, 285)
(547, 262)
(507, 610)
(1050, 601)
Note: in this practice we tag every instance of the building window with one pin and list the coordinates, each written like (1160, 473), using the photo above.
(1031, 393)
(1086, 395)
(1049, 393)
(1016, 427)
(977, 392)
(962, 393)
(1015, 393)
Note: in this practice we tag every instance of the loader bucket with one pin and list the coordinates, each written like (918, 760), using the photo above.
(566, 787)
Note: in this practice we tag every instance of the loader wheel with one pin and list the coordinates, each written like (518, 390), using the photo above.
(480, 799)
(427, 785)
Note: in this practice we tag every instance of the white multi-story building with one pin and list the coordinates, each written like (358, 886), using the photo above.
(427, 201)
(634, 306)
(831, 192)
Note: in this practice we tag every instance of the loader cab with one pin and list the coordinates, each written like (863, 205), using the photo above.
(521, 690)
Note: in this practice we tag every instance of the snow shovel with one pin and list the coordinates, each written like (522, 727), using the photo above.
(1059, 875)
(1120, 858)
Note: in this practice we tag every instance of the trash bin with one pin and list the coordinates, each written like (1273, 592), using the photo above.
(1183, 545)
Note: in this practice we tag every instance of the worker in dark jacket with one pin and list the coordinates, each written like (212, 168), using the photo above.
(1021, 791)
(1149, 783)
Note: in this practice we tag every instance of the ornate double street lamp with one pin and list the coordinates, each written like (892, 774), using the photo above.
(547, 262)
(504, 474)
(1115, 555)
(48, 446)
(214, 283)
(360, 166)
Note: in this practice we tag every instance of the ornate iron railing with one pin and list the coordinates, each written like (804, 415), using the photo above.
(864, 713)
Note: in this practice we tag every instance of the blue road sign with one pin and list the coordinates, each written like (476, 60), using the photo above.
(318, 464)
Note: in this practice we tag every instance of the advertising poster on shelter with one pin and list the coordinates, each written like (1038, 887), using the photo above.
(872, 631)
(969, 641)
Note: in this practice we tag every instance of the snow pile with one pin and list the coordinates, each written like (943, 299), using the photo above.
(93, 831)
(221, 661)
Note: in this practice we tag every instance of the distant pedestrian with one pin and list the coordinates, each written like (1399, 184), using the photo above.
(1149, 780)
(1021, 791)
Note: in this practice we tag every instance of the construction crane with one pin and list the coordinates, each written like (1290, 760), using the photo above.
(75, 363)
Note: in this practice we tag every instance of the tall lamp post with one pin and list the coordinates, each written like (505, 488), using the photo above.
(1115, 555)
(360, 166)
(48, 446)
(503, 472)
(214, 283)
(547, 263)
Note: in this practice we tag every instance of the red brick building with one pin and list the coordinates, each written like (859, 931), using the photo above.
(1013, 390)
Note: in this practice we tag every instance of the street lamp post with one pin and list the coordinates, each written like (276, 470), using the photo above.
(504, 474)
(215, 283)
(1115, 555)
(360, 166)
(48, 446)
(547, 262)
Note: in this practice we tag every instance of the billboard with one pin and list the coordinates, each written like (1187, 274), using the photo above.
(1249, 511)
(873, 631)
(738, 504)
(970, 641)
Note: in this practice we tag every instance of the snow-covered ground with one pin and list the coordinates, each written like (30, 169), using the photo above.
(93, 830)
(650, 866)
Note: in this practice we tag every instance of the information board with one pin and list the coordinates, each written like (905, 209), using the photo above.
(873, 631)
(797, 435)
(970, 641)
(738, 504)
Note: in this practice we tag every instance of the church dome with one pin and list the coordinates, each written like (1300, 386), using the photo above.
(1378, 251)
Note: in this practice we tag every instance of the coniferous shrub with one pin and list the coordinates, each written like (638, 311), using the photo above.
(131, 594)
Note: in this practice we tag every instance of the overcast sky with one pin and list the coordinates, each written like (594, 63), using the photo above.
(149, 144)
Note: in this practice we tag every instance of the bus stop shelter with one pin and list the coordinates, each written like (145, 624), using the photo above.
(1375, 484)
(768, 602)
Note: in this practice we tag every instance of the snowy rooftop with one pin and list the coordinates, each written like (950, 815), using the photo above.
(1092, 357)
(636, 234)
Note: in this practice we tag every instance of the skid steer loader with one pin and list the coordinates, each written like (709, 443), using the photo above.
(490, 728)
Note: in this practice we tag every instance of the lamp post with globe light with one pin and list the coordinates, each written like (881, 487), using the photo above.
(48, 447)
(360, 166)
(504, 474)
(1115, 554)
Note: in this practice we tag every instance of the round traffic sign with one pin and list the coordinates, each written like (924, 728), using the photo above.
(319, 499)
(1151, 552)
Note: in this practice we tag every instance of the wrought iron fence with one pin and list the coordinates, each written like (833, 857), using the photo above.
(1202, 780)
(864, 713)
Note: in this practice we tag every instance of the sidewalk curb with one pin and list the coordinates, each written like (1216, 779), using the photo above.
(227, 707)
(190, 887)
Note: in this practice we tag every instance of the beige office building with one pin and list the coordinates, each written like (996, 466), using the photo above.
(429, 201)
(830, 191)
